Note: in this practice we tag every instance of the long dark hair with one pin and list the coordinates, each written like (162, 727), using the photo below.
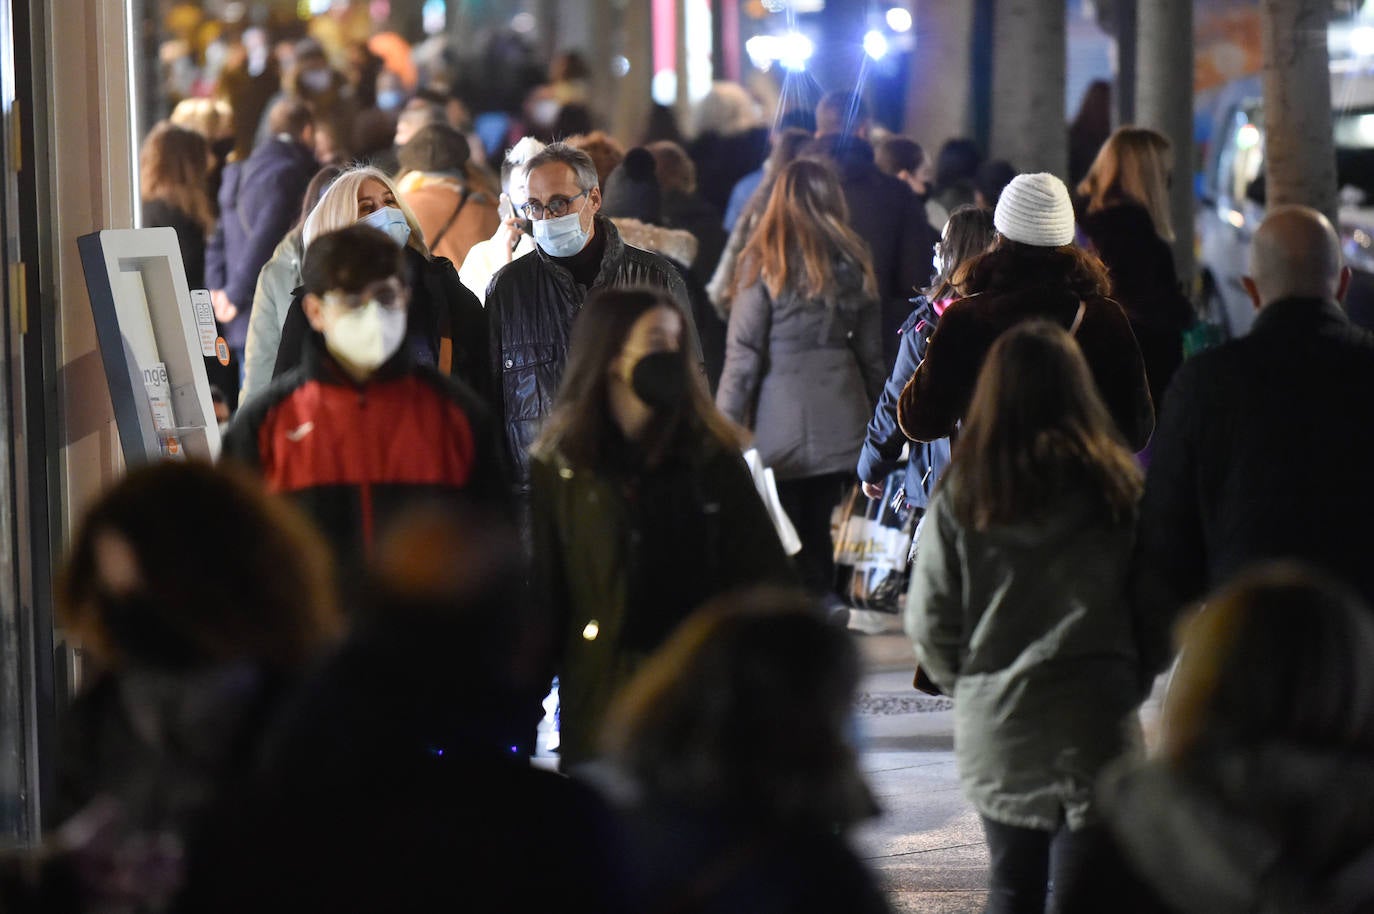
(172, 167)
(968, 234)
(580, 427)
(1036, 430)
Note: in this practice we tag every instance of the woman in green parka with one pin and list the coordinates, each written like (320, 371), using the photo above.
(642, 504)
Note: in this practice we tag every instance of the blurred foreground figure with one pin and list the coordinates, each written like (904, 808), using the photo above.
(399, 780)
(186, 671)
(1265, 444)
(1262, 799)
(734, 737)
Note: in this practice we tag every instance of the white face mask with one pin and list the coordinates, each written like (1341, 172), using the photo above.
(563, 236)
(365, 337)
(391, 220)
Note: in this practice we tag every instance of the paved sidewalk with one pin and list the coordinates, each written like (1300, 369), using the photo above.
(928, 844)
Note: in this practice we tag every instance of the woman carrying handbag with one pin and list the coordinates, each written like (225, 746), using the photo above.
(803, 356)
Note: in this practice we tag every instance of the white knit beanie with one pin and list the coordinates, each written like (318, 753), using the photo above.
(1035, 209)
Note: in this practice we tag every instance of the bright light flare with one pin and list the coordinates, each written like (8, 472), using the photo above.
(1362, 41)
(875, 44)
(899, 19)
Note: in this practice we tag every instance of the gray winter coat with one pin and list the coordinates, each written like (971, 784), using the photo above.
(276, 289)
(1027, 626)
(804, 375)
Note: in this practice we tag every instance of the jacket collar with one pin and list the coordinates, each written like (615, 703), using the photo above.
(610, 260)
(319, 365)
(1306, 314)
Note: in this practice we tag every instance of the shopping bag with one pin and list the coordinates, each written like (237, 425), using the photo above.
(872, 540)
(768, 493)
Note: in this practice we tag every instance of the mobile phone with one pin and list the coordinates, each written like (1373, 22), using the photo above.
(505, 210)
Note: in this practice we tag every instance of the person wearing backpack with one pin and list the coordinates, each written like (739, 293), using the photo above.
(968, 233)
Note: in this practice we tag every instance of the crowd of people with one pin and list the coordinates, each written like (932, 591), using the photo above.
(488, 435)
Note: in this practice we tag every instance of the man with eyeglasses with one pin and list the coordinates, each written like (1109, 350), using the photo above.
(532, 302)
(359, 433)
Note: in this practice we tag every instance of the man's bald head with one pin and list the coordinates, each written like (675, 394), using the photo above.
(1295, 254)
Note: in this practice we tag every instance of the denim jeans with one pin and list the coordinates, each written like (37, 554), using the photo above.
(1084, 867)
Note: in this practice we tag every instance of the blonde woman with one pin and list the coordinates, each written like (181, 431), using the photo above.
(447, 328)
(803, 354)
(1124, 216)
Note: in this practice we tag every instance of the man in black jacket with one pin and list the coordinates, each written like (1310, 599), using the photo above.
(1265, 445)
(883, 210)
(532, 301)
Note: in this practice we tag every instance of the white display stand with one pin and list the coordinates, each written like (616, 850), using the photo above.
(152, 344)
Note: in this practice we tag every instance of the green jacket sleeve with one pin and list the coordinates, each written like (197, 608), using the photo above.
(935, 603)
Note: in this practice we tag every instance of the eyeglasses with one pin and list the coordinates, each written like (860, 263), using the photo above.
(556, 207)
(389, 293)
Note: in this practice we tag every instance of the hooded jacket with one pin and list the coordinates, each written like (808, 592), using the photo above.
(1275, 828)
(531, 305)
(1027, 626)
(1007, 290)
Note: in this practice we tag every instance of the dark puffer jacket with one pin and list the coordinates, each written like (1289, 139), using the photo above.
(804, 375)
(531, 305)
(1009, 286)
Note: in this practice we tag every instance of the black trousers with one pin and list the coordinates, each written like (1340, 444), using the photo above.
(809, 502)
(1085, 868)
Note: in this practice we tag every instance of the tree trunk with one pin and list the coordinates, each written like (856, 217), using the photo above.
(1126, 32)
(1029, 68)
(939, 89)
(1164, 102)
(635, 90)
(1299, 155)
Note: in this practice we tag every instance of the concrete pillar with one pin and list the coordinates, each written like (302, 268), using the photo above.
(1164, 102)
(939, 91)
(1029, 127)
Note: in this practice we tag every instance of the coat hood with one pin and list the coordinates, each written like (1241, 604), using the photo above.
(676, 244)
(1265, 828)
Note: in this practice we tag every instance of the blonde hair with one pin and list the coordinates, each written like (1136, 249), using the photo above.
(1133, 165)
(212, 118)
(338, 207)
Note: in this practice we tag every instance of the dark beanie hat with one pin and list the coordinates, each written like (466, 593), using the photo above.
(436, 147)
(631, 190)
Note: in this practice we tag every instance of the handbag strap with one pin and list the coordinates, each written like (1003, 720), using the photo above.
(462, 200)
(1078, 318)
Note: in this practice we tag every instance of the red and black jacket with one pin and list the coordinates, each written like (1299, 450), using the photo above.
(354, 456)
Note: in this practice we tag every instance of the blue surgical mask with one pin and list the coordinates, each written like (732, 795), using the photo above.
(563, 236)
(391, 220)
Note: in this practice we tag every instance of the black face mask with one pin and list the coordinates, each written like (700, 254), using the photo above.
(659, 380)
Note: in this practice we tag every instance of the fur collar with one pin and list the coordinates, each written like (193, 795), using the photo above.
(675, 244)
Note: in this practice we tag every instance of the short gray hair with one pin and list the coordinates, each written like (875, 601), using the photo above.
(583, 168)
